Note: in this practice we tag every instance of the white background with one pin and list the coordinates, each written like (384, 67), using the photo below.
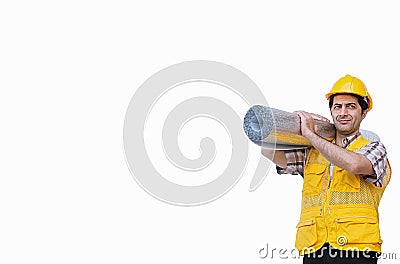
(68, 71)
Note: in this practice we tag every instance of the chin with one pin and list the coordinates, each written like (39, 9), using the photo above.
(344, 131)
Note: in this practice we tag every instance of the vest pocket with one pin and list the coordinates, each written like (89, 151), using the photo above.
(357, 230)
(306, 236)
(344, 181)
(313, 176)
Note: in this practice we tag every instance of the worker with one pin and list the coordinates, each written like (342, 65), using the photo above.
(344, 179)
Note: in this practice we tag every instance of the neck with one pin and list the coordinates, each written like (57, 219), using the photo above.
(340, 137)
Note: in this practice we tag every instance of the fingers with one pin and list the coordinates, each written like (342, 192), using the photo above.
(320, 117)
(304, 114)
(300, 113)
(304, 117)
(305, 120)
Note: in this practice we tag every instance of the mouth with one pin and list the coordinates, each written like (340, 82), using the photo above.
(344, 121)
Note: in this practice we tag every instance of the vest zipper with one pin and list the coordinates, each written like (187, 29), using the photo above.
(326, 208)
(331, 167)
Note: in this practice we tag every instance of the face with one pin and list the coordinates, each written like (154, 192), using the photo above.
(347, 114)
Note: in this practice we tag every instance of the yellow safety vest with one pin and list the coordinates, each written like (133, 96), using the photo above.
(342, 211)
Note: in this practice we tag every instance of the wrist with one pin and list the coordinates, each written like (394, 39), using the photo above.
(311, 135)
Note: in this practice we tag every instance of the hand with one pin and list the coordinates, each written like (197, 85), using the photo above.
(320, 117)
(307, 125)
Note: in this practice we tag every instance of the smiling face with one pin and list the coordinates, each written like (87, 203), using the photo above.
(347, 114)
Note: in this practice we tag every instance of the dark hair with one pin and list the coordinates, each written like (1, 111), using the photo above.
(362, 101)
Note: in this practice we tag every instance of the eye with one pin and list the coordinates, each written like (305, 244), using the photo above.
(336, 106)
(351, 106)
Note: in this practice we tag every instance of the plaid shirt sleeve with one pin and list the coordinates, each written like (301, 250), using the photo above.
(295, 160)
(376, 153)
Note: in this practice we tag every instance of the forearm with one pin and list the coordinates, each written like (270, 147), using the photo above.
(276, 156)
(341, 157)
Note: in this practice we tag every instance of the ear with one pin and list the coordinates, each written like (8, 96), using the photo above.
(364, 113)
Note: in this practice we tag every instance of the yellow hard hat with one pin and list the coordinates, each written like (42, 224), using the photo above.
(351, 85)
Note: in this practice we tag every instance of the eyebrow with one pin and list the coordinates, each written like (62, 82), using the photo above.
(345, 104)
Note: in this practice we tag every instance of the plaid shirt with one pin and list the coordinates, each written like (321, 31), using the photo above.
(375, 152)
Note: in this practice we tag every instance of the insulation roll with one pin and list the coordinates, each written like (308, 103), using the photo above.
(276, 129)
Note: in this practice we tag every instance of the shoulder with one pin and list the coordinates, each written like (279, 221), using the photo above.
(368, 145)
(375, 146)
(375, 151)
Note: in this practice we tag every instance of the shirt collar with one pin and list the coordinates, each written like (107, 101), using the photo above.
(346, 141)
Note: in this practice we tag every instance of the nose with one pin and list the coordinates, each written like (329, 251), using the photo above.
(343, 111)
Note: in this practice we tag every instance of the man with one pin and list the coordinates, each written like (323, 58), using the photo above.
(344, 180)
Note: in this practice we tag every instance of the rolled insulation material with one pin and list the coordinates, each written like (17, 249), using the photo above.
(369, 135)
(268, 126)
(276, 129)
